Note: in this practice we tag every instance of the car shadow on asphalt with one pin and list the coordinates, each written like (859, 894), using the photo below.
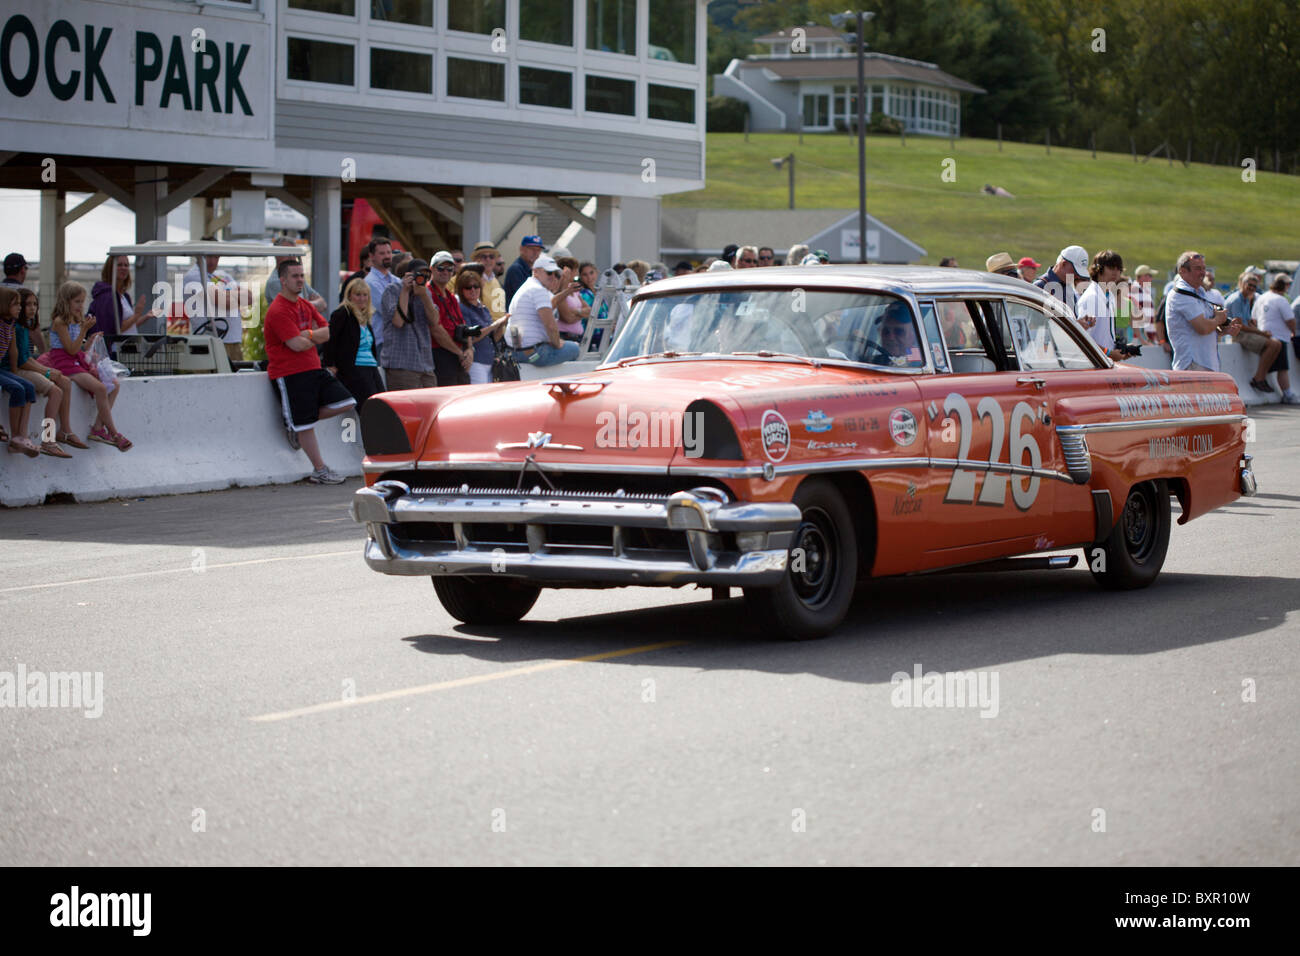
(949, 622)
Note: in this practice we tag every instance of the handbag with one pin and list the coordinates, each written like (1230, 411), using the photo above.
(504, 367)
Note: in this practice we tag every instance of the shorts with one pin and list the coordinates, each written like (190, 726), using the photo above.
(1281, 363)
(1252, 343)
(302, 395)
(38, 380)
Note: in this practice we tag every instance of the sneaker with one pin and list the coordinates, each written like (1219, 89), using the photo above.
(293, 438)
(1290, 398)
(323, 476)
(1259, 385)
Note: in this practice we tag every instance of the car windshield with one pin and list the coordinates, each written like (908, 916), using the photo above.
(836, 325)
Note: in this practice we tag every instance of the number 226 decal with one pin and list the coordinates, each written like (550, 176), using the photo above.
(961, 489)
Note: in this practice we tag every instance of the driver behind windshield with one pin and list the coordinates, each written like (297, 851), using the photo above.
(898, 338)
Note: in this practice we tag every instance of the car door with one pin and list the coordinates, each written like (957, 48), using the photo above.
(989, 428)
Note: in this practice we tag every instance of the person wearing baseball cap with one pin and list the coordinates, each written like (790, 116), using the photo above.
(529, 249)
(1001, 263)
(15, 269)
(1028, 268)
(1059, 281)
(533, 332)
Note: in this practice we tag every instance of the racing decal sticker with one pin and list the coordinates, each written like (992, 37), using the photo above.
(814, 444)
(818, 421)
(908, 504)
(1176, 446)
(961, 488)
(776, 436)
(1156, 406)
(902, 426)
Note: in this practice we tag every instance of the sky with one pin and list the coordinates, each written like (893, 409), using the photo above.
(87, 239)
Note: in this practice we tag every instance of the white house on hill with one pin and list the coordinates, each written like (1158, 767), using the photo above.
(809, 80)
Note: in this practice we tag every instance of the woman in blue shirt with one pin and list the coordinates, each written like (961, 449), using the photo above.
(350, 351)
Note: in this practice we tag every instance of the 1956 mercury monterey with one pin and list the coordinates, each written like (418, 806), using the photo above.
(791, 431)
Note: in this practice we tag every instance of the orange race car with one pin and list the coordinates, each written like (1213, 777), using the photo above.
(792, 431)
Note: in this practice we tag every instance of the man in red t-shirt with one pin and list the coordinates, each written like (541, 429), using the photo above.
(307, 393)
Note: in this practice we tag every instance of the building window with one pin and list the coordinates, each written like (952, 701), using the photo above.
(317, 61)
(546, 21)
(344, 8)
(476, 16)
(608, 95)
(415, 12)
(539, 87)
(476, 79)
(672, 30)
(816, 110)
(672, 103)
(401, 70)
(611, 26)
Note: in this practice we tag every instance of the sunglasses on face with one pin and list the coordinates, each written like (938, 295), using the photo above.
(443, 268)
(748, 262)
(470, 288)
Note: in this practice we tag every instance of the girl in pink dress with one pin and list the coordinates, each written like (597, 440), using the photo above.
(70, 335)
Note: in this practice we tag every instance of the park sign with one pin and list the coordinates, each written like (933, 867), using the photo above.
(137, 81)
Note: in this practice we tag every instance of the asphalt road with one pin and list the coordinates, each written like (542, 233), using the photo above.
(637, 726)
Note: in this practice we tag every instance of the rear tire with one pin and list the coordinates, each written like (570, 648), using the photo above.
(485, 600)
(1135, 551)
(821, 569)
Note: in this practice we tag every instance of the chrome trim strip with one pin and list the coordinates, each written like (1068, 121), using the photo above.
(750, 471)
(372, 467)
(501, 446)
(1152, 423)
(549, 466)
(1002, 467)
(871, 464)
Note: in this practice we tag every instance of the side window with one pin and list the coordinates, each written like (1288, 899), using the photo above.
(995, 317)
(1043, 343)
(930, 319)
(958, 328)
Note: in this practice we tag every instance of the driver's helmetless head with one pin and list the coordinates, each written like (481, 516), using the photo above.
(896, 330)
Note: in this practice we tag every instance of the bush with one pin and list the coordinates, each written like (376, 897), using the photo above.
(726, 114)
(880, 123)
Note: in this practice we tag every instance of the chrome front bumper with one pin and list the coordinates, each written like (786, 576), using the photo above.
(723, 543)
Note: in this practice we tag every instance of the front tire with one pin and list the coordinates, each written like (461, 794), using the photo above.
(821, 569)
(485, 600)
(1134, 553)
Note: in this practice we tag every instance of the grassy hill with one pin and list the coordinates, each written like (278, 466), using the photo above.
(1148, 212)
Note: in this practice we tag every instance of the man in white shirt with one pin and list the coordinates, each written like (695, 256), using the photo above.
(1272, 312)
(532, 331)
(1096, 306)
(379, 278)
(1193, 321)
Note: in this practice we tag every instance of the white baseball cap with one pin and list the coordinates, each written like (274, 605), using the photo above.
(546, 264)
(1077, 257)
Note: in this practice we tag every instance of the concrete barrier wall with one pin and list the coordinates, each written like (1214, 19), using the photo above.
(1234, 360)
(191, 433)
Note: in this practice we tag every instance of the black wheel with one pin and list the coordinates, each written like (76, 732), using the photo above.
(1135, 551)
(485, 600)
(821, 569)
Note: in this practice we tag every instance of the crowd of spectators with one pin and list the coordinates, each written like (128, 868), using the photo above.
(406, 322)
